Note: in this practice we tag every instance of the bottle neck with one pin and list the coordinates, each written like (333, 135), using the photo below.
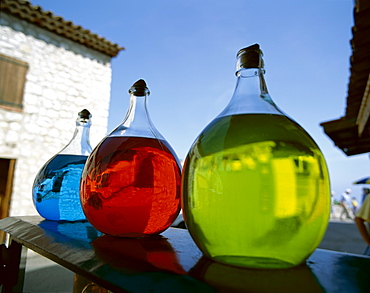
(137, 121)
(251, 95)
(80, 142)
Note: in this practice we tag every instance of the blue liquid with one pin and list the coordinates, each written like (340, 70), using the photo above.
(56, 189)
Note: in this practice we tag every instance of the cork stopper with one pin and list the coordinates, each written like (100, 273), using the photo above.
(139, 88)
(84, 114)
(250, 57)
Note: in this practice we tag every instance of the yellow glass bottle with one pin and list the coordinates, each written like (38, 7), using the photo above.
(255, 186)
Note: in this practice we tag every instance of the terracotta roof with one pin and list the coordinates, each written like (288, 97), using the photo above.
(47, 20)
(351, 133)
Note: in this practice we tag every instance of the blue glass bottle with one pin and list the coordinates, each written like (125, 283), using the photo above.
(56, 189)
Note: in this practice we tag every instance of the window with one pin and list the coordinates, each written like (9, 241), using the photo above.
(12, 80)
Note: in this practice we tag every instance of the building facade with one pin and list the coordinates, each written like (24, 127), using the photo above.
(49, 71)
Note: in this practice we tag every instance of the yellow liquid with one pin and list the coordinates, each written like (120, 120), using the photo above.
(256, 191)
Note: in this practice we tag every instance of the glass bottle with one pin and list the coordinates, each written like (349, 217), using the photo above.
(131, 182)
(56, 188)
(256, 189)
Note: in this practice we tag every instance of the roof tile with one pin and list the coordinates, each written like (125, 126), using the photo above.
(56, 24)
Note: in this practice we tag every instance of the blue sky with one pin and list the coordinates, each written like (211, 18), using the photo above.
(185, 51)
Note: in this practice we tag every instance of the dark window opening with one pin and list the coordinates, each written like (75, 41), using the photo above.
(6, 187)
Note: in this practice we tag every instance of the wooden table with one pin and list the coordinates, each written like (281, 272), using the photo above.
(167, 263)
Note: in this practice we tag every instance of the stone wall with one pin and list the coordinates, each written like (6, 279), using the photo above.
(63, 78)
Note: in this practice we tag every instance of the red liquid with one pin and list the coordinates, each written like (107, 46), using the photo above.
(130, 186)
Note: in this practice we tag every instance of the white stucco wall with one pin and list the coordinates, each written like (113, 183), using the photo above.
(63, 78)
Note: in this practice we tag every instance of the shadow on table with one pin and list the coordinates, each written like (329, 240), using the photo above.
(227, 278)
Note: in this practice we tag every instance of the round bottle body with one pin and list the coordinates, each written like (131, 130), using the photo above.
(130, 186)
(256, 191)
(56, 188)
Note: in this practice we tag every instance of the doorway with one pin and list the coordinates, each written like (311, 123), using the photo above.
(6, 187)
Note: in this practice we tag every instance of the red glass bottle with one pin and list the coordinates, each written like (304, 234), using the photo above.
(130, 185)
